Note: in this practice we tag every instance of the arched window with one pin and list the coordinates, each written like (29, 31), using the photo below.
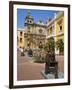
(21, 33)
(20, 40)
(30, 21)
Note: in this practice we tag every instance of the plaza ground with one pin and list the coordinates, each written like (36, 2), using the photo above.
(28, 70)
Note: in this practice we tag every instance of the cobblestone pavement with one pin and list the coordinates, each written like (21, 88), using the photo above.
(28, 70)
(60, 59)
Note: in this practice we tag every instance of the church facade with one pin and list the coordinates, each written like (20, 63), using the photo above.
(35, 35)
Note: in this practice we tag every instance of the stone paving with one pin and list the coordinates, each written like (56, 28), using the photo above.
(28, 70)
(52, 76)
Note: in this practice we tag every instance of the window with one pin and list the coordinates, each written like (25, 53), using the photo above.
(20, 33)
(30, 21)
(60, 24)
(20, 40)
(60, 27)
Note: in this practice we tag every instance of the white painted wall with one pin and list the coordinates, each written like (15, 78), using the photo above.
(4, 45)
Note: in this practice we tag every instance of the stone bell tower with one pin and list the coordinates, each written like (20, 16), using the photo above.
(29, 19)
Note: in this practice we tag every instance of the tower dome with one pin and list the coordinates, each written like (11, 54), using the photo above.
(28, 19)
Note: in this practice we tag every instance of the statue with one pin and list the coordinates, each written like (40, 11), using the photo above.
(51, 65)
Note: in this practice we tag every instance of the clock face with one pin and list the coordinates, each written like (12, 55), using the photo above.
(40, 30)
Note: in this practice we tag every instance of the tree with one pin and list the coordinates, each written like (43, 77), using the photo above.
(60, 45)
(50, 45)
(45, 47)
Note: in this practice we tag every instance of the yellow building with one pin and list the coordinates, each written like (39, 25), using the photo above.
(56, 28)
(20, 38)
(60, 26)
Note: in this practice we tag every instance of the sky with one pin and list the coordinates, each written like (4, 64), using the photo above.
(36, 14)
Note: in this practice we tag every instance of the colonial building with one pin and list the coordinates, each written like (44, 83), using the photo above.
(55, 28)
(20, 38)
(34, 35)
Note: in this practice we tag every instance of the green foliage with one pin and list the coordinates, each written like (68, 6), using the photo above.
(38, 59)
(50, 45)
(45, 47)
(60, 45)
